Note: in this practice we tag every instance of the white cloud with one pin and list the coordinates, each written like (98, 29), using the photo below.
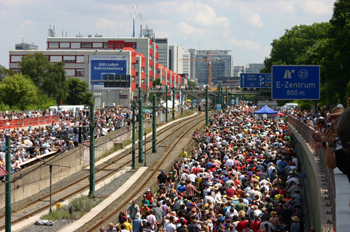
(250, 18)
(315, 8)
(187, 29)
(195, 13)
(251, 45)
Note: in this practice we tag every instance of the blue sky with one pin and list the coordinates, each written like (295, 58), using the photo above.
(247, 27)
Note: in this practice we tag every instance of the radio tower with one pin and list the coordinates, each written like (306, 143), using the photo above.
(133, 16)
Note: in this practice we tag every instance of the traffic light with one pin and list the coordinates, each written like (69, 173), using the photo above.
(348, 101)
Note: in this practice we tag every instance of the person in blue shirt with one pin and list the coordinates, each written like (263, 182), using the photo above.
(281, 165)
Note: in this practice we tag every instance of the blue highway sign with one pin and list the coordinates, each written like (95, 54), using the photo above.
(295, 82)
(255, 80)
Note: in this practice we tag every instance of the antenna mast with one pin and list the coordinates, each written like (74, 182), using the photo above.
(142, 21)
(51, 32)
(133, 16)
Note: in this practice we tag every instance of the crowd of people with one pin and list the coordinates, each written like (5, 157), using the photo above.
(29, 143)
(242, 176)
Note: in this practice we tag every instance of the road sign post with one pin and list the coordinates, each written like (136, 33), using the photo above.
(295, 82)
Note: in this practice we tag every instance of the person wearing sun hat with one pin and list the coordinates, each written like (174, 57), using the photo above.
(295, 224)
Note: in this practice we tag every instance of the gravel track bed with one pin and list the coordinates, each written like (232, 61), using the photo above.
(114, 185)
(108, 189)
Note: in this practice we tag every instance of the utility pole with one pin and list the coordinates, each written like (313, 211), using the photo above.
(145, 151)
(219, 95)
(154, 129)
(173, 102)
(133, 135)
(206, 105)
(166, 103)
(226, 96)
(140, 131)
(140, 93)
(92, 153)
(8, 185)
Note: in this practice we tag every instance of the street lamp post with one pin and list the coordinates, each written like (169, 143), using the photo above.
(108, 97)
(120, 93)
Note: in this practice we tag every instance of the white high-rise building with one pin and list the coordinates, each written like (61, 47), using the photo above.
(192, 52)
(186, 64)
(176, 54)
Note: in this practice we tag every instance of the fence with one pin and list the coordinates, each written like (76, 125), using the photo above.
(18, 123)
(327, 175)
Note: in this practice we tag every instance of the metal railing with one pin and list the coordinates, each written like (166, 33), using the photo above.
(327, 183)
(18, 123)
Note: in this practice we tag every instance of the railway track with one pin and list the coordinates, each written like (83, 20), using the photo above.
(150, 178)
(121, 162)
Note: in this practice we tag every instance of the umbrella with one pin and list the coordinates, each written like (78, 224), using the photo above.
(189, 100)
(281, 114)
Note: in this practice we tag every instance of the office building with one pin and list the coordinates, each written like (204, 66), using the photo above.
(128, 62)
(192, 52)
(238, 69)
(26, 46)
(176, 58)
(163, 51)
(221, 64)
(254, 68)
(186, 64)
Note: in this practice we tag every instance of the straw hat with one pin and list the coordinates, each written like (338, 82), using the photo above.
(295, 218)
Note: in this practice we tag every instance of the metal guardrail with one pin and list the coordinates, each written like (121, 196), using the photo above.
(327, 184)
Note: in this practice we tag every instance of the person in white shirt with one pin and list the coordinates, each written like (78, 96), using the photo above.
(170, 227)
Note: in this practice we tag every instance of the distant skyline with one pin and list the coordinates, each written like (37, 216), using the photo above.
(247, 27)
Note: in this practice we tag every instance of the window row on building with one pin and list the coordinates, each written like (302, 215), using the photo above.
(88, 45)
(53, 59)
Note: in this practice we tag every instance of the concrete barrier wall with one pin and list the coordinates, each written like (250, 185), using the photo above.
(36, 178)
(319, 211)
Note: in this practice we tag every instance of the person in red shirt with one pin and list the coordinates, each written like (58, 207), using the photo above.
(242, 224)
(196, 169)
(255, 224)
(231, 192)
(149, 196)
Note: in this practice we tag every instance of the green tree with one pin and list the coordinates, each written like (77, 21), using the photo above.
(50, 78)
(4, 72)
(157, 82)
(55, 84)
(291, 47)
(18, 90)
(191, 83)
(78, 92)
(338, 57)
(36, 66)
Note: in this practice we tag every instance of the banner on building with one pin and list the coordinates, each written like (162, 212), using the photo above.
(101, 66)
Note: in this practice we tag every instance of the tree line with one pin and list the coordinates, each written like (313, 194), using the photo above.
(40, 84)
(326, 44)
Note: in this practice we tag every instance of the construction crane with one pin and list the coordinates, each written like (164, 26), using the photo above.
(209, 60)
